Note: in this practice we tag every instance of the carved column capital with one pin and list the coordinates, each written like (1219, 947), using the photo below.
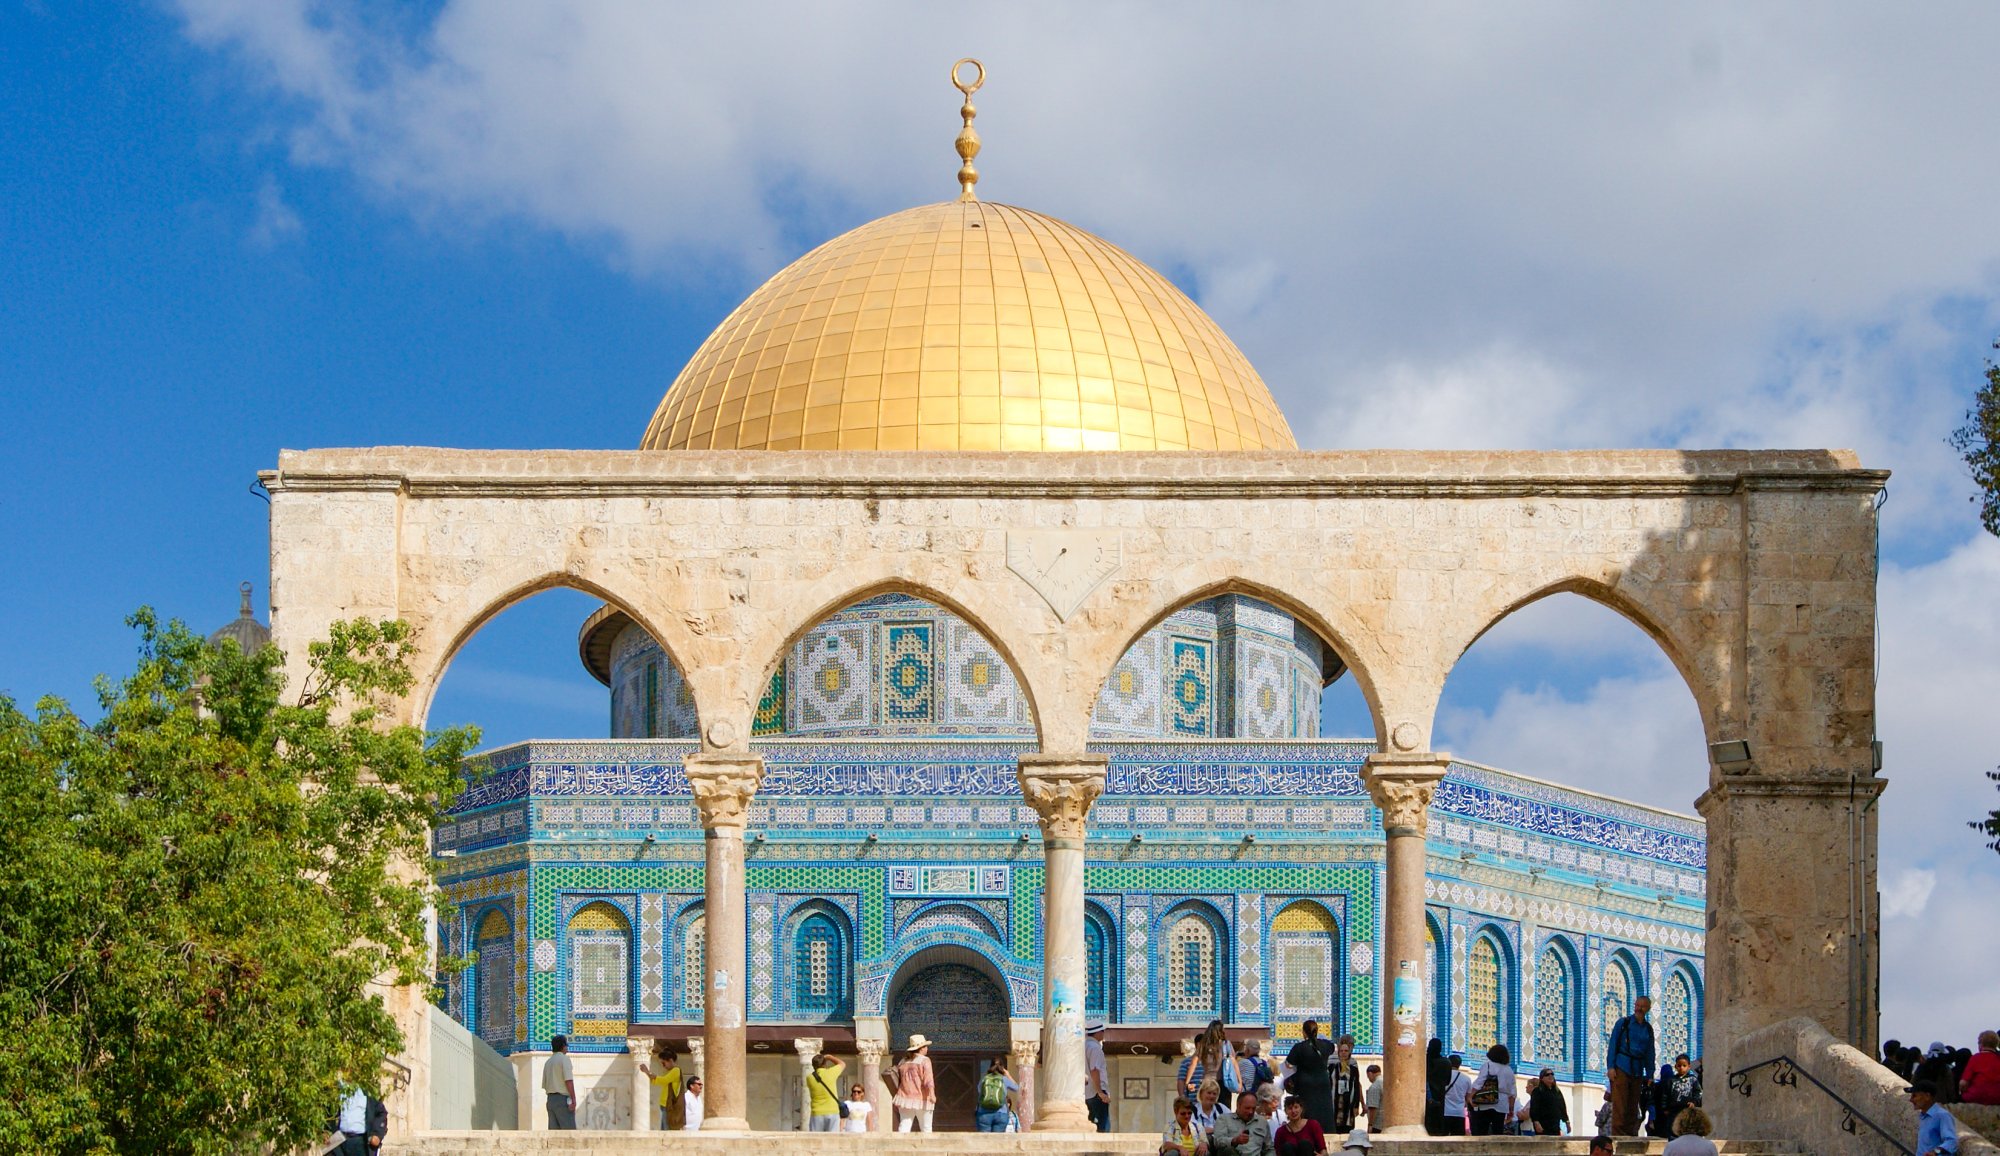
(1024, 1053)
(1402, 786)
(640, 1049)
(871, 1051)
(807, 1047)
(723, 785)
(1061, 789)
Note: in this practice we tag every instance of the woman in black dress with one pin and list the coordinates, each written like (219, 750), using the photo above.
(1312, 1076)
(1437, 1077)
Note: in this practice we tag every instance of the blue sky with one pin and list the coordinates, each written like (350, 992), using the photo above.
(229, 227)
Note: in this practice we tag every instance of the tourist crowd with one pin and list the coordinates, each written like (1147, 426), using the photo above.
(1954, 1075)
(1234, 1102)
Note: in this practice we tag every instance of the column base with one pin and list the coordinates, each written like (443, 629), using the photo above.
(724, 1124)
(1405, 1131)
(1063, 1116)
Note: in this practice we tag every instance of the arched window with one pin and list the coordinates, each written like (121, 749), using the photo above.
(1097, 960)
(819, 963)
(600, 946)
(493, 981)
(1677, 1017)
(694, 965)
(1305, 944)
(1193, 977)
(1434, 996)
(1486, 995)
(1618, 990)
(1553, 1027)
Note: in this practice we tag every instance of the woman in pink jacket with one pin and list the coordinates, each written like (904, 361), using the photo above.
(916, 1087)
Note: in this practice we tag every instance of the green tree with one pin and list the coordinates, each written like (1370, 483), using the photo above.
(1978, 441)
(199, 892)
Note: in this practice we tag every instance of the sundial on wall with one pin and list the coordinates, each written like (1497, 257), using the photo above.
(1063, 566)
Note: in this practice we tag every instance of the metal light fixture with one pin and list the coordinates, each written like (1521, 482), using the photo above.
(1733, 757)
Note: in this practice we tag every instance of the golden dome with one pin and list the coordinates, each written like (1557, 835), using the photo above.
(968, 325)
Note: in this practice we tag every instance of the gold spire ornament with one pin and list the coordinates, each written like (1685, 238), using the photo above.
(968, 137)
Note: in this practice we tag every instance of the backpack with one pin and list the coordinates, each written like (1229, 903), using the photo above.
(1486, 1097)
(992, 1092)
(1232, 1075)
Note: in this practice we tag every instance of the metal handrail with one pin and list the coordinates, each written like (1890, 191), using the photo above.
(1787, 1075)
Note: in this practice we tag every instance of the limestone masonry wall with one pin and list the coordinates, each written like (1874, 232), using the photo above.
(1753, 570)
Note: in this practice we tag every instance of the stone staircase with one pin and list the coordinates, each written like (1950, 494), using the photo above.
(968, 1144)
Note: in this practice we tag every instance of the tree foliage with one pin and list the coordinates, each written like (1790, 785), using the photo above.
(1990, 825)
(1978, 441)
(200, 892)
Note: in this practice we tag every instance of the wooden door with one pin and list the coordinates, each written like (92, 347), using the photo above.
(957, 1091)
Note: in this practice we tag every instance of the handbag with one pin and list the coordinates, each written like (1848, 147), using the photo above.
(1486, 1096)
(837, 1101)
(1232, 1076)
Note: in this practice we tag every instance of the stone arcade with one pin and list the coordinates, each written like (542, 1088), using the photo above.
(888, 672)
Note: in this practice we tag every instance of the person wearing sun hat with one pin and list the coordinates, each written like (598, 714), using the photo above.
(1357, 1141)
(1096, 1077)
(916, 1087)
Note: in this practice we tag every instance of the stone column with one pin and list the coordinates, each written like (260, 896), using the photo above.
(1401, 785)
(1061, 789)
(696, 1063)
(1021, 1057)
(645, 1108)
(723, 785)
(807, 1047)
(870, 1053)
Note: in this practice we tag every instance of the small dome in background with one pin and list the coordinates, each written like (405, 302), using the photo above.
(250, 634)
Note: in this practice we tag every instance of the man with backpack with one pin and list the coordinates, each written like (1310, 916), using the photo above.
(1631, 1062)
(999, 1096)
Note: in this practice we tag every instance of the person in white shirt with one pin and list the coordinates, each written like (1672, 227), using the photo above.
(858, 1110)
(1455, 1093)
(1371, 1100)
(1491, 1119)
(1097, 1078)
(692, 1098)
(559, 1086)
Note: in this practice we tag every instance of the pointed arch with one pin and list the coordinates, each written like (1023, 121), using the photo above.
(1100, 946)
(599, 970)
(1192, 682)
(690, 960)
(493, 976)
(945, 670)
(1305, 969)
(1437, 978)
(819, 938)
(1624, 981)
(1490, 990)
(1558, 1006)
(1679, 1014)
(452, 628)
(840, 592)
(1194, 969)
(1619, 597)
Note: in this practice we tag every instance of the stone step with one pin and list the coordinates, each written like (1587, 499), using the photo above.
(967, 1143)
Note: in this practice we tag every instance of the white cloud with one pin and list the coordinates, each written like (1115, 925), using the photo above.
(1907, 893)
(275, 220)
(1428, 225)
(1632, 738)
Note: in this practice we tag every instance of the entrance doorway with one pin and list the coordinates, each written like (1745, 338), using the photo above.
(953, 997)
